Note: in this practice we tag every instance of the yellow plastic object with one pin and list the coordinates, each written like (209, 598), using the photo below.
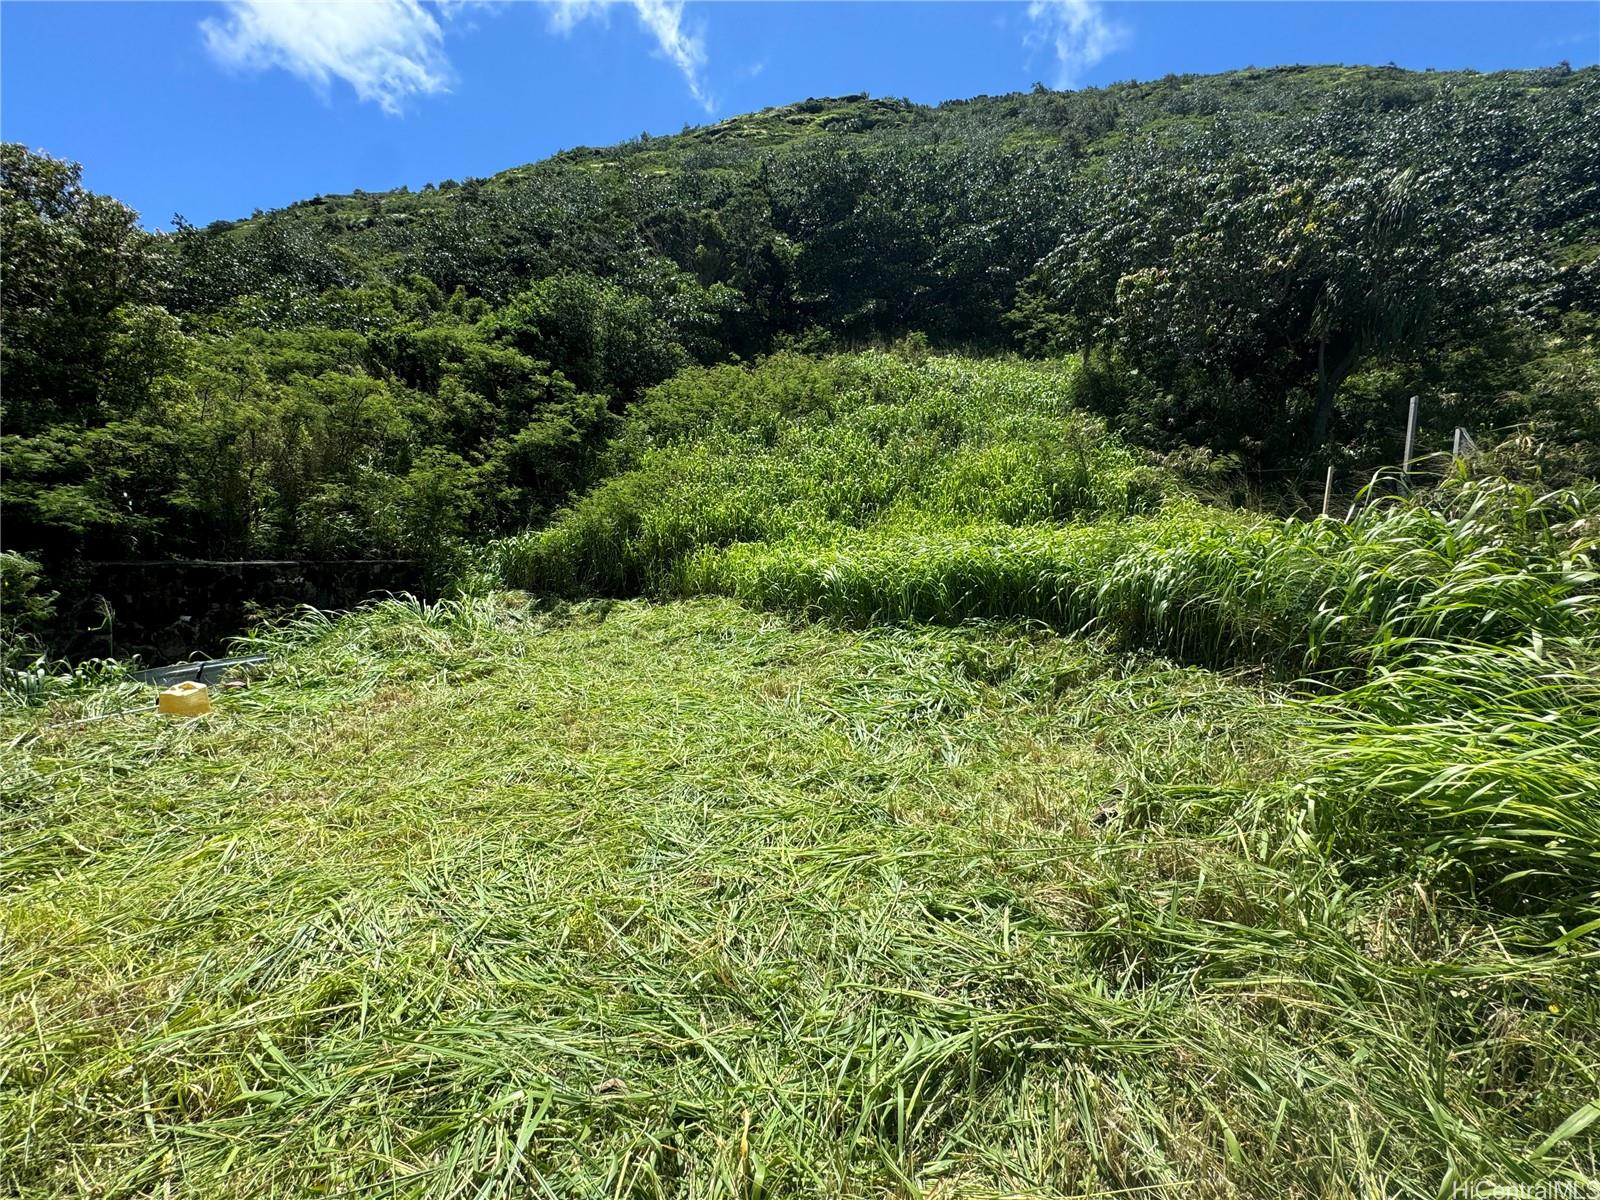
(188, 699)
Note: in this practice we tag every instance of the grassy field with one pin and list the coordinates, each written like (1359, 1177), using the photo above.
(963, 810)
(625, 899)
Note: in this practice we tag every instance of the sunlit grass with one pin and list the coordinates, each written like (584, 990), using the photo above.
(989, 820)
(875, 440)
(485, 899)
(1489, 754)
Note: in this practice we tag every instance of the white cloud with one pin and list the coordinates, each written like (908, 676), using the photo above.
(663, 20)
(564, 14)
(387, 50)
(391, 50)
(1078, 32)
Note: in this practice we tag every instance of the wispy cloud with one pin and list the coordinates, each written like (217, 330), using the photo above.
(663, 20)
(387, 50)
(391, 50)
(1078, 32)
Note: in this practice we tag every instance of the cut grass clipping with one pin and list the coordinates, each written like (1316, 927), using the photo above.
(476, 900)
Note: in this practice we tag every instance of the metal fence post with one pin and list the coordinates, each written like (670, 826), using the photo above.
(1411, 440)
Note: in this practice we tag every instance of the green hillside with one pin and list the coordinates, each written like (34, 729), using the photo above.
(885, 717)
(683, 195)
(1261, 266)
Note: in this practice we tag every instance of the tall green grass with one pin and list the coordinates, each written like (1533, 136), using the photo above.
(1488, 562)
(804, 450)
(1489, 755)
(868, 488)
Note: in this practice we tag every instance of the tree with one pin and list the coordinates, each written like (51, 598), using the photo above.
(605, 338)
(1274, 272)
(69, 259)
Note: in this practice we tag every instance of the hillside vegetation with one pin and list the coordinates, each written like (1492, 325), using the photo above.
(873, 488)
(987, 882)
(842, 764)
(1263, 264)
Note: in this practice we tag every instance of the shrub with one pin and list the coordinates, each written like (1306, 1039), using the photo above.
(24, 610)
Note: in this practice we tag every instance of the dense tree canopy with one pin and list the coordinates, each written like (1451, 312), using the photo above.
(1273, 274)
(72, 261)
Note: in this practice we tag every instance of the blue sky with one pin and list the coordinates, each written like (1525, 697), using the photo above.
(214, 109)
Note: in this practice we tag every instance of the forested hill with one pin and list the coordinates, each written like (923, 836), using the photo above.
(869, 218)
(1262, 264)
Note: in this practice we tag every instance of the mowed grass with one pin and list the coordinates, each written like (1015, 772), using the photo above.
(487, 899)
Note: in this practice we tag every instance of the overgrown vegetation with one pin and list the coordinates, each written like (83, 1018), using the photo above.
(871, 488)
(806, 448)
(1264, 264)
(852, 773)
(984, 897)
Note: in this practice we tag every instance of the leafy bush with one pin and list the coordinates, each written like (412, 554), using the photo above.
(24, 609)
